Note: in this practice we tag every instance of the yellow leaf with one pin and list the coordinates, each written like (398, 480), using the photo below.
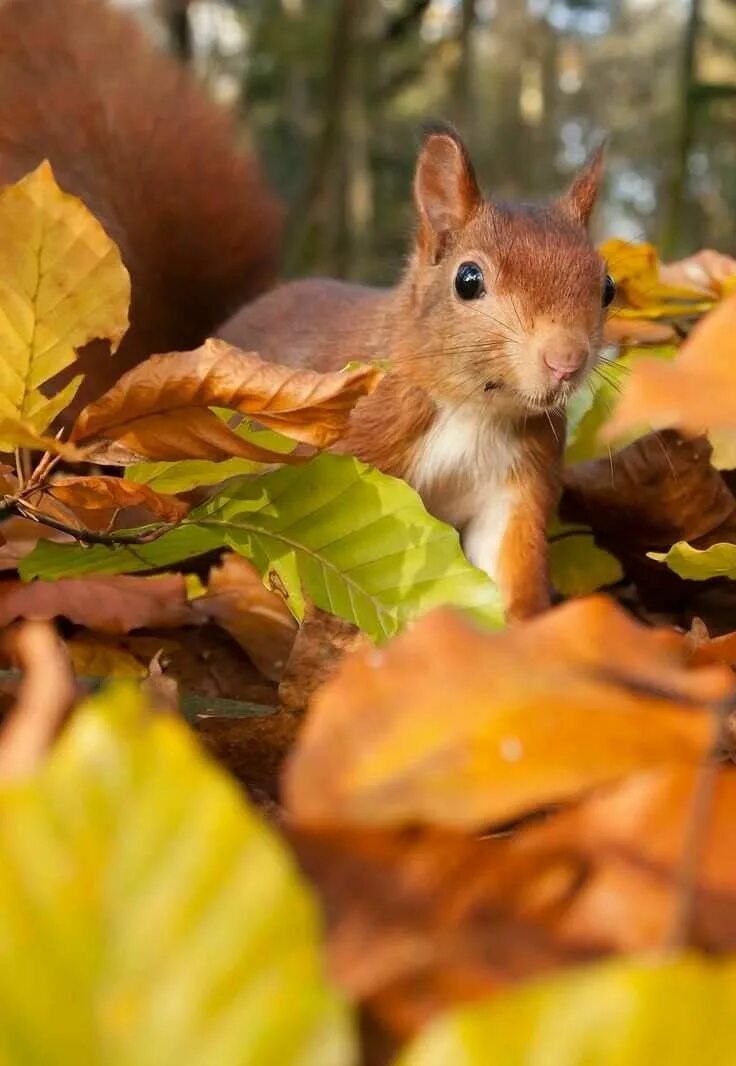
(636, 271)
(62, 284)
(17, 434)
(100, 658)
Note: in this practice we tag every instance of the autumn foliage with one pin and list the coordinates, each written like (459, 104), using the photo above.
(453, 831)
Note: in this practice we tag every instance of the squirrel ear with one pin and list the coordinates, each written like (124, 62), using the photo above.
(580, 198)
(445, 189)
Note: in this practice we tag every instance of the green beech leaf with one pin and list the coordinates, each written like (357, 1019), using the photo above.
(623, 1013)
(148, 916)
(359, 543)
(717, 561)
(579, 567)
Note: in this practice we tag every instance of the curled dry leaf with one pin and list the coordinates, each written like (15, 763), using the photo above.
(102, 493)
(420, 920)
(654, 492)
(305, 405)
(47, 693)
(695, 392)
(107, 604)
(258, 619)
(450, 726)
(65, 281)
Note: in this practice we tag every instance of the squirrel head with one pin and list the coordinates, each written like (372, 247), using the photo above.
(507, 301)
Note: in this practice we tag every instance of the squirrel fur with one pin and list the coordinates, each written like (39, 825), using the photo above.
(497, 319)
(128, 130)
(471, 412)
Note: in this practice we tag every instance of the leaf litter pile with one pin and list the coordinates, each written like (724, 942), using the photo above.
(277, 785)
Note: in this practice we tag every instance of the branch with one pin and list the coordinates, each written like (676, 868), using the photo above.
(18, 507)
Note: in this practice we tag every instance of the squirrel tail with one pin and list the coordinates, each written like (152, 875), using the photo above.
(128, 130)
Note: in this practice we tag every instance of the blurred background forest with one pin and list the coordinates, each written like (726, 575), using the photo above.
(335, 93)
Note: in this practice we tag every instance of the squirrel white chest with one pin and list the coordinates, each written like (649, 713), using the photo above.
(463, 464)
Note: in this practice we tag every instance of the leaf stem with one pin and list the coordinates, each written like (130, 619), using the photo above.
(701, 807)
(84, 536)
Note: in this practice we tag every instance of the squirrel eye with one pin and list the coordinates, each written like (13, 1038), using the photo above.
(469, 284)
(609, 290)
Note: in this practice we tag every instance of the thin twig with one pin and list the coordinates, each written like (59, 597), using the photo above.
(701, 807)
(84, 536)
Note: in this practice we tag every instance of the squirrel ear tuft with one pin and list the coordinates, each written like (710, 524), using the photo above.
(445, 189)
(580, 198)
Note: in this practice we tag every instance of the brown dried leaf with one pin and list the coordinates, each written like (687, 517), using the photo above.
(107, 604)
(656, 491)
(306, 405)
(453, 726)
(102, 493)
(421, 920)
(320, 644)
(258, 619)
(186, 433)
(629, 842)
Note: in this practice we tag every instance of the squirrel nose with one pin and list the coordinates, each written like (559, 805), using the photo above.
(564, 364)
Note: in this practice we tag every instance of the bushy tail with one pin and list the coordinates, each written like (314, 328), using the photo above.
(129, 131)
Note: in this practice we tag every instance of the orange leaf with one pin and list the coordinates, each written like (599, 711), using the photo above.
(97, 493)
(457, 727)
(258, 619)
(696, 391)
(306, 405)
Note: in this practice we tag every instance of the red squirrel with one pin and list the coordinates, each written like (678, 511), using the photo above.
(496, 320)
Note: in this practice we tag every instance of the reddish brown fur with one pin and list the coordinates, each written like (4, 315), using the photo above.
(544, 282)
(129, 131)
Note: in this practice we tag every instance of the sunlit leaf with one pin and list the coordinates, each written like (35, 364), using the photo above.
(99, 492)
(696, 391)
(452, 726)
(578, 565)
(62, 284)
(592, 405)
(149, 918)
(358, 543)
(143, 411)
(615, 1014)
(699, 564)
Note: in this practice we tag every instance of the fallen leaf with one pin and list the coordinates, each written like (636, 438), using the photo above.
(93, 656)
(19, 536)
(186, 433)
(99, 492)
(578, 566)
(107, 604)
(421, 920)
(180, 387)
(719, 560)
(135, 850)
(616, 1014)
(450, 726)
(258, 619)
(656, 491)
(636, 271)
(630, 843)
(64, 282)
(321, 642)
(696, 391)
